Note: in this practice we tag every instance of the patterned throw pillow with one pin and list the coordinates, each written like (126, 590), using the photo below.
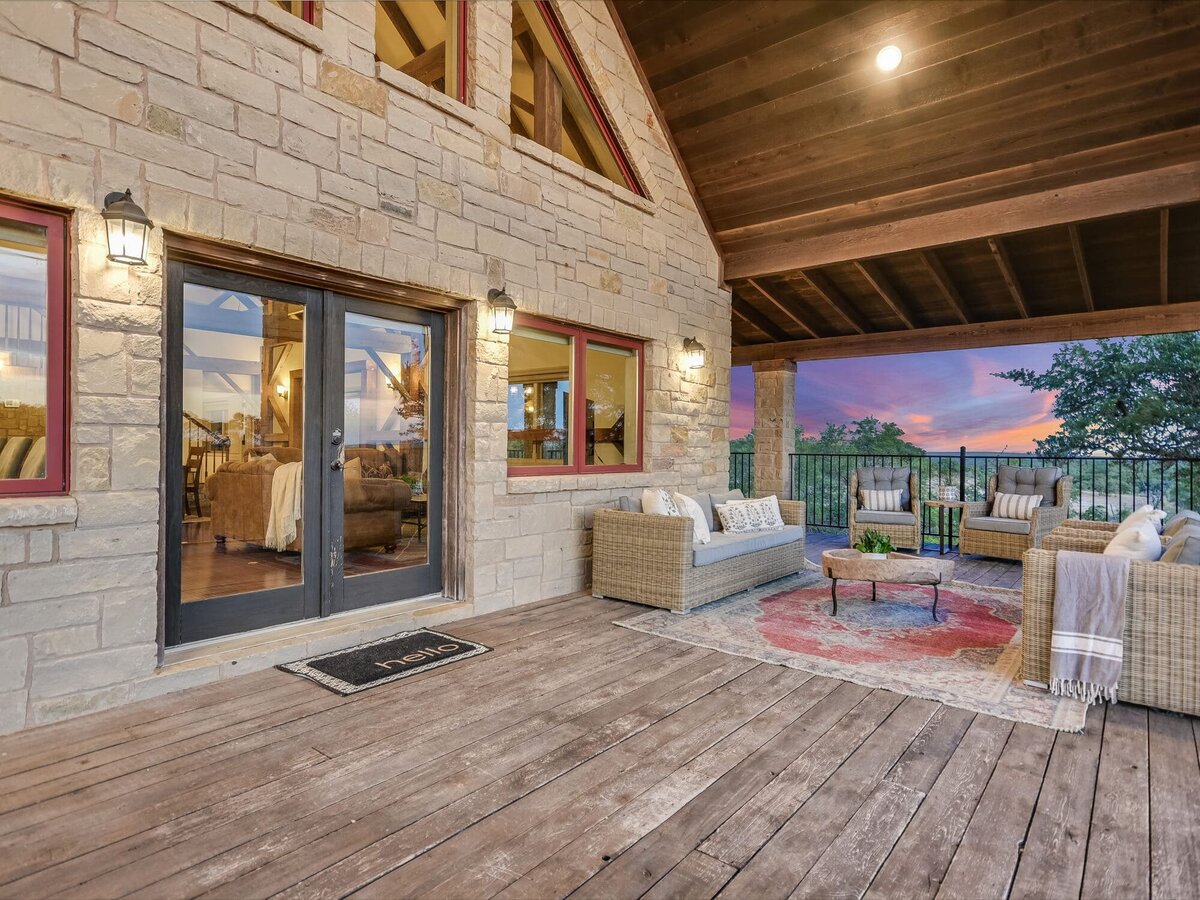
(1015, 506)
(881, 501)
(745, 516)
(380, 471)
(658, 502)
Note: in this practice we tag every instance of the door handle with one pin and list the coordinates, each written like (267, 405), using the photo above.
(339, 462)
(336, 437)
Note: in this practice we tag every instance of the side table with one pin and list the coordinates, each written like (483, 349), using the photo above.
(942, 506)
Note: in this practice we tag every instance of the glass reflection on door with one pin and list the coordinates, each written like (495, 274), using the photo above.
(385, 501)
(243, 443)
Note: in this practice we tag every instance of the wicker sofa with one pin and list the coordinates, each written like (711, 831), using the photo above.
(651, 559)
(984, 534)
(903, 528)
(1161, 667)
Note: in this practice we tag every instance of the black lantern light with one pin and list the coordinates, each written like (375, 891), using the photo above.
(128, 228)
(503, 311)
(693, 353)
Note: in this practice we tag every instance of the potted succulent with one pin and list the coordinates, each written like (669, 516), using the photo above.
(874, 545)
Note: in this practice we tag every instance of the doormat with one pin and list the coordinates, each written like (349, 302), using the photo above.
(388, 659)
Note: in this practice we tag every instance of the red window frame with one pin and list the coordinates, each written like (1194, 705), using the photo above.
(578, 442)
(56, 480)
(464, 16)
(558, 33)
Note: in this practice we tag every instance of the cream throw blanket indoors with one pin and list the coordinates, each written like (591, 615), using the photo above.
(287, 505)
(1087, 645)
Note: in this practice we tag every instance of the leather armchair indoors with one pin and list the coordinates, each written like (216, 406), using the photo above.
(241, 501)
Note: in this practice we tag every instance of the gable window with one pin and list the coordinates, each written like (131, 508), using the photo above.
(426, 40)
(33, 308)
(301, 9)
(574, 400)
(553, 102)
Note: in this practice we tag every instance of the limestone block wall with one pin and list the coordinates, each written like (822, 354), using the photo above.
(238, 123)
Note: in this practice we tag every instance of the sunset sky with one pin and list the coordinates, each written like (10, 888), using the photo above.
(942, 400)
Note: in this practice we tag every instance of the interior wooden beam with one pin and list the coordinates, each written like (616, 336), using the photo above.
(429, 66)
(1081, 267)
(392, 10)
(780, 306)
(751, 315)
(547, 101)
(1164, 231)
(1107, 323)
(828, 292)
(1000, 254)
(946, 285)
(884, 289)
(1096, 199)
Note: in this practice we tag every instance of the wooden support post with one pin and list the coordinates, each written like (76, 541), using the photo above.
(547, 101)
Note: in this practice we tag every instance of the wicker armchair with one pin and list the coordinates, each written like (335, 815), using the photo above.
(649, 559)
(902, 533)
(1005, 544)
(1162, 631)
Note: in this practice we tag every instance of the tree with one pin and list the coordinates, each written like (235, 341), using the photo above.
(866, 436)
(1129, 397)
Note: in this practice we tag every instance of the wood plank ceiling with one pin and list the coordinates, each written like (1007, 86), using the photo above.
(790, 133)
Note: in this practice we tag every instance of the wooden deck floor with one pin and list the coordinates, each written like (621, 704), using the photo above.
(583, 759)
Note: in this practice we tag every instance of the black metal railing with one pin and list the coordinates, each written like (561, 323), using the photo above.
(1104, 488)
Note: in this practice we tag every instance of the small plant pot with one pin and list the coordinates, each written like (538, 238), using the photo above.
(874, 556)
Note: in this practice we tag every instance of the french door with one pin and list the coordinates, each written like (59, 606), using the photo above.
(304, 440)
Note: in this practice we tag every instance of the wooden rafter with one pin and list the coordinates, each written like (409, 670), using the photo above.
(1000, 254)
(1081, 266)
(1153, 319)
(884, 289)
(783, 308)
(1164, 232)
(748, 313)
(429, 66)
(828, 292)
(396, 16)
(946, 285)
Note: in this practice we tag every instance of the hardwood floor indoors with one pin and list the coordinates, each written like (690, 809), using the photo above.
(583, 759)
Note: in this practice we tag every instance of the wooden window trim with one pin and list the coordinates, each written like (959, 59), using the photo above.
(558, 34)
(580, 336)
(57, 479)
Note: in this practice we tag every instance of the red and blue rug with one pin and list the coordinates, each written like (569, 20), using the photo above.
(970, 658)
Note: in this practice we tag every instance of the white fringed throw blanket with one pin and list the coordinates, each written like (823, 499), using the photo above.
(1087, 645)
(287, 505)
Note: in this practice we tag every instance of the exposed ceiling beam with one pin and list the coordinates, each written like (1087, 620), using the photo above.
(828, 292)
(1000, 254)
(748, 313)
(1107, 323)
(884, 289)
(1081, 266)
(429, 66)
(946, 285)
(780, 306)
(1164, 232)
(392, 9)
(1097, 199)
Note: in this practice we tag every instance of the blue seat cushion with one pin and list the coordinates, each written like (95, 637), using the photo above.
(727, 546)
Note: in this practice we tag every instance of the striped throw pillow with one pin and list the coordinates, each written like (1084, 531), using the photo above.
(881, 501)
(1015, 506)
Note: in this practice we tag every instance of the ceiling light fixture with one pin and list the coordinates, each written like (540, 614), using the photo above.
(888, 58)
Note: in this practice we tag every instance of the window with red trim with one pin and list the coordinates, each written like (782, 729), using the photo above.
(301, 9)
(553, 101)
(33, 310)
(574, 400)
(427, 40)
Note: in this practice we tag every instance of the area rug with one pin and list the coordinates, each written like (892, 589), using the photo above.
(970, 658)
(383, 661)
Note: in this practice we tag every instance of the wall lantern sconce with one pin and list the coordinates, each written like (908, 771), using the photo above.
(503, 311)
(128, 229)
(281, 390)
(693, 353)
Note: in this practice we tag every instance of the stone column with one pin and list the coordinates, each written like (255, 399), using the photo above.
(774, 425)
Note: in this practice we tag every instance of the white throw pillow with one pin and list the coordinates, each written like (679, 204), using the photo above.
(1146, 513)
(1015, 506)
(1139, 542)
(745, 516)
(658, 502)
(881, 501)
(689, 507)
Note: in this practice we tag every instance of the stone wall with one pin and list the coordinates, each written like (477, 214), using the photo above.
(236, 122)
